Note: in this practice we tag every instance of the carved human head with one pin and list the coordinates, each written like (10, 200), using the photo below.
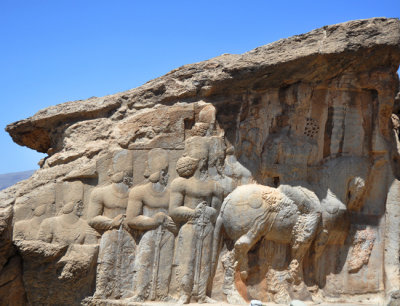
(72, 207)
(355, 193)
(200, 129)
(186, 166)
(207, 114)
(121, 168)
(217, 153)
(157, 166)
(68, 207)
(117, 177)
(40, 210)
(206, 122)
(198, 148)
(120, 177)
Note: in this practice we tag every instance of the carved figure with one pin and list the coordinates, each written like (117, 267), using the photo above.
(107, 204)
(29, 229)
(234, 173)
(148, 211)
(107, 207)
(68, 228)
(206, 123)
(280, 214)
(195, 202)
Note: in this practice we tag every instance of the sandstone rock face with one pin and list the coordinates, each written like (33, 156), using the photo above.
(269, 176)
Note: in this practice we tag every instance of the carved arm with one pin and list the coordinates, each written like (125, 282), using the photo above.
(177, 211)
(134, 218)
(95, 212)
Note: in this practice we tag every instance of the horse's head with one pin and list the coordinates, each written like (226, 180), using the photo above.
(356, 188)
(347, 178)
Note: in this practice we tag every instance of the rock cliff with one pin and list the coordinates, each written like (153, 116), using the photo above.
(270, 175)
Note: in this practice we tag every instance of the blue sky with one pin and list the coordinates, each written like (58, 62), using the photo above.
(57, 51)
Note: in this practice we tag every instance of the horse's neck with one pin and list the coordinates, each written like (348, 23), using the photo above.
(335, 196)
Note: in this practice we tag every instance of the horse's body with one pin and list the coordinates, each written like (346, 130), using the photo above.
(246, 208)
(292, 214)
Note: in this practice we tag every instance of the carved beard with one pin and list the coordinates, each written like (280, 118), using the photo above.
(219, 165)
(79, 208)
(128, 181)
(124, 178)
(159, 177)
(117, 177)
(68, 208)
(164, 176)
(203, 168)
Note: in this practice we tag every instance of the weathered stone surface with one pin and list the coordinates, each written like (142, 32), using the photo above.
(57, 274)
(12, 290)
(269, 176)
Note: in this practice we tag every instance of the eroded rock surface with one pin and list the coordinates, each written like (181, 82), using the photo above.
(271, 175)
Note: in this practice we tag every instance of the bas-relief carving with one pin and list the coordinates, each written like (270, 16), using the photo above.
(115, 264)
(148, 212)
(27, 203)
(293, 215)
(362, 243)
(28, 229)
(106, 212)
(195, 202)
(67, 228)
(301, 155)
(292, 154)
(162, 238)
(62, 246)
(108, 204)
(60, 265)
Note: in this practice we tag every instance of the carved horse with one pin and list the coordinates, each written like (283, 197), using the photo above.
(295, 214)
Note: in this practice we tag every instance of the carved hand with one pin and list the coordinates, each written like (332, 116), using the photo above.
(116, 222)
(160, 217)
(199, 209)
(170, 224)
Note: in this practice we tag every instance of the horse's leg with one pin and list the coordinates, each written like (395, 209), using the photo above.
(319, 246)
(320, 243)
(304, 233)
(243, 245)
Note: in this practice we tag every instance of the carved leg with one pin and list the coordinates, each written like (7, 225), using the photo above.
(303, 234)
(164, 272)
(320, 243)
(205, 272)
(229, 288)
(242, 247)
(106, 281)
(186, 251)
(143, 267)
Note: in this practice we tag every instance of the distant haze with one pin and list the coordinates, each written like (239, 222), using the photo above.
(9, 179)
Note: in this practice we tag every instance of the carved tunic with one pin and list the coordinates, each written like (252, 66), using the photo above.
(194, 243)
(153, 260)
(117, 247)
